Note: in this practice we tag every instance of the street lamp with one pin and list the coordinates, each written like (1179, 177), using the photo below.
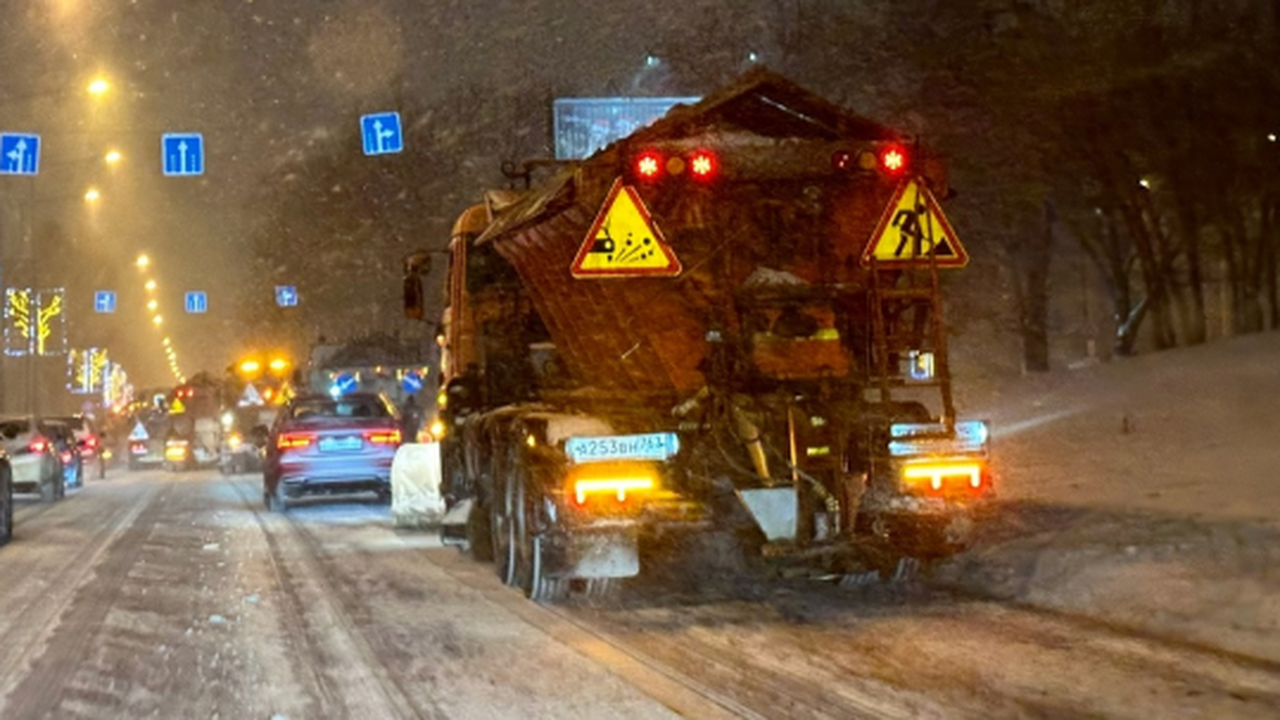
(157, 319)
(150, 286)
(112, 157)
(143, 261)
(92, 195)
(99, 87)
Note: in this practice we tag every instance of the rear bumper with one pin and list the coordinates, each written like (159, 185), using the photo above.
(337, 475)
(29, 471)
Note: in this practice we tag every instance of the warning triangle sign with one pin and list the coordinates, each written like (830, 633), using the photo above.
(913, 231)
(624, 241)
(251, 396)
(177, 408)
(139, 432)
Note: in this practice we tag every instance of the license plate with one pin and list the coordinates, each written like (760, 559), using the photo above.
(650, 446)
(341, 444)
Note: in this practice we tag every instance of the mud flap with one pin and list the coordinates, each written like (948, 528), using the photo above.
(453, 526)
(773, 509)
(602, 555)
(415, 486)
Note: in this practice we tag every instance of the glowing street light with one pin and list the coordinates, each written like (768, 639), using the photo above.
(92, 195)
(166, 342)
(150, 286)
(112, 157)
(143, 261)
(157, 319)
(99, 87)
(152, 305)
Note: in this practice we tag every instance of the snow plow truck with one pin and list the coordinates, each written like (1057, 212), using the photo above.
(727, 324)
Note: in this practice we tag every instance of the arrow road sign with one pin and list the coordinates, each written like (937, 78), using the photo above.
(381, 134)
(19, 154)
(286, 295)
(182, 154)
(197, 302)
(104, 301)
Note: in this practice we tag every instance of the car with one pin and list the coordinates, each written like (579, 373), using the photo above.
(244, 438)
(91, 442)
(68, 448)
(6, 499)
(33, 457)
(330, 445)
(147, 441)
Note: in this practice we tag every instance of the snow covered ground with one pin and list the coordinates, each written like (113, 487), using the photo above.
(1143, 492)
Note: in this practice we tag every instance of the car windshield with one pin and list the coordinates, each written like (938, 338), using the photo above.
(346, 408)
(10, 429)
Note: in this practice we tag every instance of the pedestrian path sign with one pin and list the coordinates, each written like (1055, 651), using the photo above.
(913, 231)
(624, 241)
(139, 433)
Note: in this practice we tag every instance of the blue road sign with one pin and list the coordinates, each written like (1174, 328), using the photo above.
(343, 384)
(19, 153)
(182, 154)
(286, 295)
(104, 301)
(411, 382)
(197, 302)
(381, 133)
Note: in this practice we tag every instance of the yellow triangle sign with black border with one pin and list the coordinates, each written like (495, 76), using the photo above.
(913, 232)
(624, 241)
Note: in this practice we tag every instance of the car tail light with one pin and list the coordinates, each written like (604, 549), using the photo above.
(294, 441)
(138, 448)
(38, 445)
(383, 437)
(91, 442)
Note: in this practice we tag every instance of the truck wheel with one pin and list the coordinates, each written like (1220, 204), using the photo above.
(479, 535)
(505, 542)
(530, 561)
(6, 506)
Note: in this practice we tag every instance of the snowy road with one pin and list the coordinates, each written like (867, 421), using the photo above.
(158, 595)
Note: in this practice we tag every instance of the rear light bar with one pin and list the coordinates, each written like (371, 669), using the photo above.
(617, 487)
(294, 441)
(945, 476)
(383, 437)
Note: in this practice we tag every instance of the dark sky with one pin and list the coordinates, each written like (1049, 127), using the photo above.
(261, 79)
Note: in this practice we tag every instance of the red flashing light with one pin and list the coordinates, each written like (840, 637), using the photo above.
(648, 165)
(893, 160)
(38, 445)
(704, 165)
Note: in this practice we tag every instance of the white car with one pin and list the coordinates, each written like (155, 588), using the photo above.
(33, 457)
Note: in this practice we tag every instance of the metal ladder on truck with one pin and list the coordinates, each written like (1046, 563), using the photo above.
(907, 324)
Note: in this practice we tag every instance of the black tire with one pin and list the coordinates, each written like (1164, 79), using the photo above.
(531, 568)
(61, 485)
(479, 531)
(278, 501)
(504, 540)
(49, 488)
(102, 468)
(80, 474)
(6, 506)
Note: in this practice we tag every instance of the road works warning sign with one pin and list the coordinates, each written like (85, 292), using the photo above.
(912, 228)
(624, 241)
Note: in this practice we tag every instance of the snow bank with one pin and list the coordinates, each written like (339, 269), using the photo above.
(1144, 492)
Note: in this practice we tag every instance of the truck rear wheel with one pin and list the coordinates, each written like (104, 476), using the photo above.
(530, 557)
